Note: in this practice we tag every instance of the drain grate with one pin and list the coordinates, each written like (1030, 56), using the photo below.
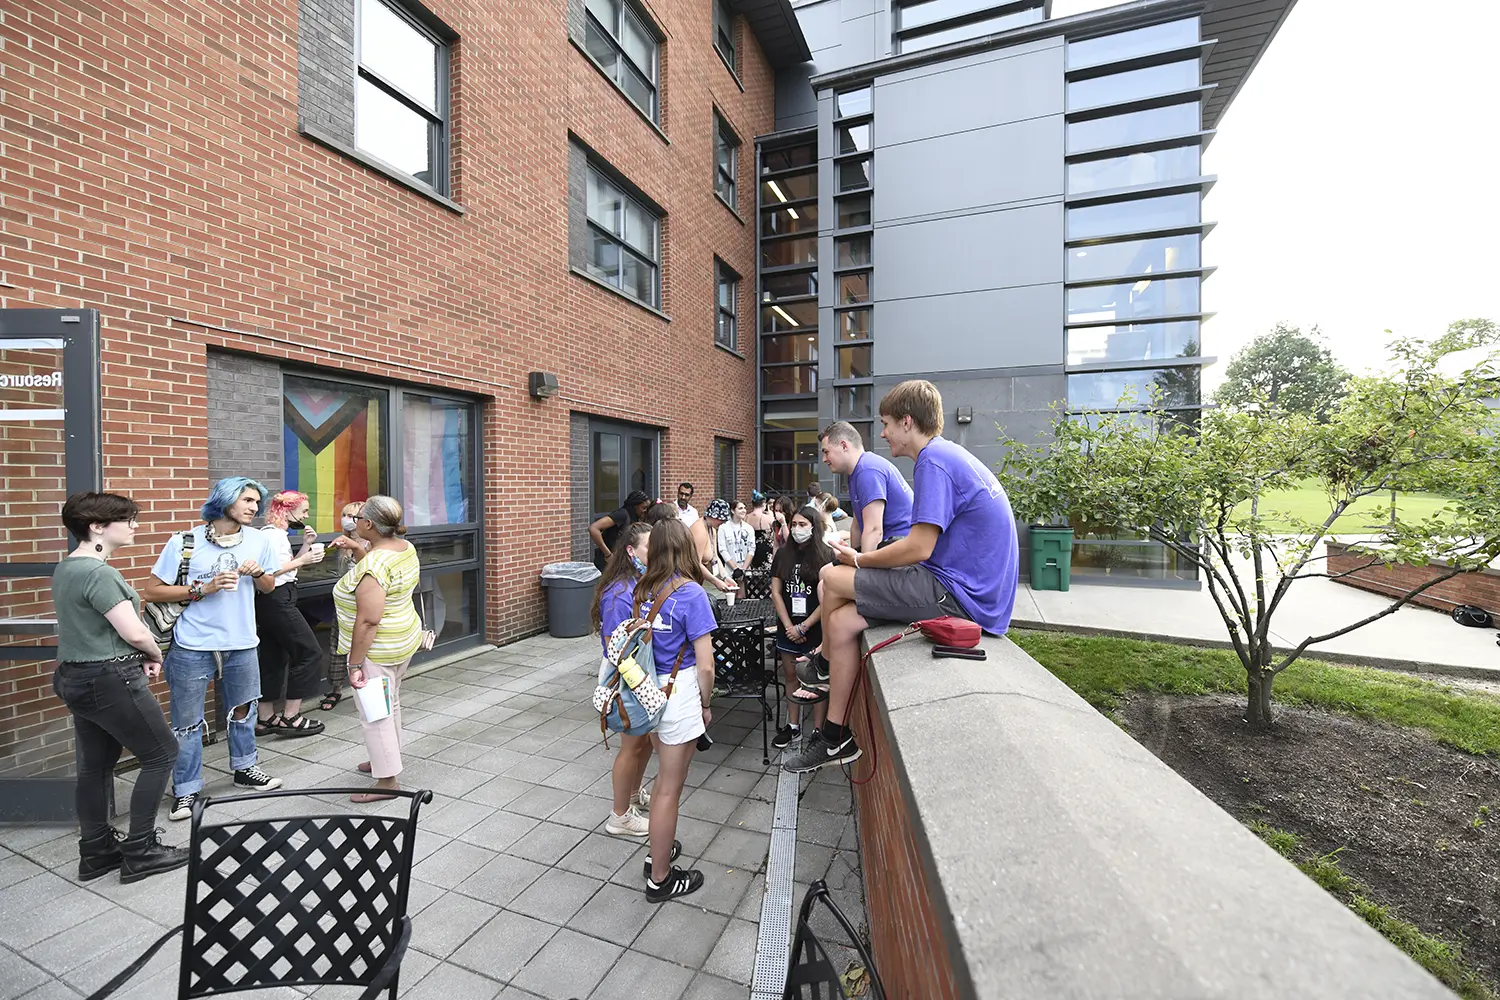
(772, 947)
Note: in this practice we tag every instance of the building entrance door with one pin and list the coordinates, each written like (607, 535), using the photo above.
(623, 458)
(49, 437)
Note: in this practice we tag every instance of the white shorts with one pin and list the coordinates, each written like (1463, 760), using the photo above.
(682, 722)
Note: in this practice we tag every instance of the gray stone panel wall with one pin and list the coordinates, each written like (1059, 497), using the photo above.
(325, 66)
(578, 487)
(578, 205)
(995, 328)
(245, 427)
(970, 170)
(969, 253)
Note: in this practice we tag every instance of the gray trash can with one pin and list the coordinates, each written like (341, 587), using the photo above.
(570, 593)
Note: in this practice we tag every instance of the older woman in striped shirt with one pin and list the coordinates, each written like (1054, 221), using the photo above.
(379, 629)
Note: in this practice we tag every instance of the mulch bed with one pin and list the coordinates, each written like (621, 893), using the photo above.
(1400, 804)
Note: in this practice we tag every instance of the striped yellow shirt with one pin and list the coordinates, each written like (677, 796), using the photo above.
(400, 631)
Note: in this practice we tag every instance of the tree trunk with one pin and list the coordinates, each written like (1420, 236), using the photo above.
(1258, 706)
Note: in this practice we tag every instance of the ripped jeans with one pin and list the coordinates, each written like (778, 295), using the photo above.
(189, 673)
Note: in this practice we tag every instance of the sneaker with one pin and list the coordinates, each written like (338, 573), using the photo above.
(817, 752)
(641, 799)
(677, 883)
(148, 856)
(704, 742)
(254, 778)
(676, 853)
(182, 806)
(632, 824)
(786, 736)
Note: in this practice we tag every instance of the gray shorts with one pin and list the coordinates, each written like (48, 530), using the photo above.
(905, 594)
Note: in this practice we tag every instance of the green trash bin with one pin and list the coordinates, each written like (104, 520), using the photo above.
(1051, 558)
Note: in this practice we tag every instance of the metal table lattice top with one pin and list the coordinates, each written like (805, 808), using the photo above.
(747, 612)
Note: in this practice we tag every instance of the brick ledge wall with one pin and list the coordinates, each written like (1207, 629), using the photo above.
(1481, 588)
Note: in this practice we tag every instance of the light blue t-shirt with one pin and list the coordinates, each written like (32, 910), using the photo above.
(976, 556)
(226, 620)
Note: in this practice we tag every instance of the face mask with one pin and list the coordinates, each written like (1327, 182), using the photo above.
(294, 526)
(801, 535)
(347, 523)
(640, 567)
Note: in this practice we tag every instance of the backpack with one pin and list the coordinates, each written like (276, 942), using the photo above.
(161, 616)
(634, 709)
(1468, 614)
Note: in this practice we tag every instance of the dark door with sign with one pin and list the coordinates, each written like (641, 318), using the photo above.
(49, 437)
(623, 459)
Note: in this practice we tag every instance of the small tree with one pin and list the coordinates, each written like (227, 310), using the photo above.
(1287, 369)
(1208, 495)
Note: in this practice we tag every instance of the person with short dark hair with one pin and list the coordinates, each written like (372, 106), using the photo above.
(605, 532)
(215, 634)
(879, 498)
(814, 490)
(105, 658)
(960, 558)
(686, 512)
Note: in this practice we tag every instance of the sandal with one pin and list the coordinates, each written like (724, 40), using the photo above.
(267, 726)
(293, 726)
(676, 853)
(330, 700)
(376, 796)
(677, 883)
(808, 695)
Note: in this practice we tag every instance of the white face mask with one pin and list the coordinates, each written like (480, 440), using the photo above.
(348, 523)
(801, 535)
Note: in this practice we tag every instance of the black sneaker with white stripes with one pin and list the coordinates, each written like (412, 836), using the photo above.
(676, 853)
(677, 883)
(818, 752)
(786, 736)
(255, 779)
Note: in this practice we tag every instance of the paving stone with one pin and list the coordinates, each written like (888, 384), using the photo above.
(573, 777)
(738, 848)
(615, 914)
(599, 856)
(752, 900)
(15, 868)
(502, 880)
(681, 932)
(460, 754)
(533, 768)
(556, 896)
(40, 907)
(497, 791)
(571, 965)
(704, 803)
(732, 781)
(449, 982)
(637, 975)
(61, 953)
(723, 887)
(706, 987)
(448, 922)
(501, 947)
(566, 749)
(733, 958)
(827, 798)
(495, 759)
(454, 816)
(539, 801)
(528, 742)
(452, 863)
(586, 812)
(752, 815)
(498, 830)
(547, 844)
(52, 991)
(18, 976)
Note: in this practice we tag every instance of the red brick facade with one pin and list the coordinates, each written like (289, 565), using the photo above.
(151, 167)
(1481, 589)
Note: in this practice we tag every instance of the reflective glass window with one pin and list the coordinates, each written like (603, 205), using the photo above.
(787, 219)
(789, 380)
(1137, 42)
(1120, 87)
(1128, 300)
(1133, 342)
(792, 347)
(789, 316)
(1138, 126)
(854, 402)
(852, 102)
(974, 29)
(855, 324)
(852, 251)
(1135, 215)
(788, 286)
(854, 288)
(785, 253)
(1105, 260)
(853, 211)
(793, 187)
(1175, 164)
(853, 138)
(853, 174)
(855, 362)
(1102, 390)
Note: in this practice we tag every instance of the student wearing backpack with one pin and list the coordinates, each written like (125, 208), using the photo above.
(680, 642)
(614, 598)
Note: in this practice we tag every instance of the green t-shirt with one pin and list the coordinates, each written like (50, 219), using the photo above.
(83, 589)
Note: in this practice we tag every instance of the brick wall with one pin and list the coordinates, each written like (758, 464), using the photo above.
(151, 167)
(244, 419)
(1481, 588)
(906, 929)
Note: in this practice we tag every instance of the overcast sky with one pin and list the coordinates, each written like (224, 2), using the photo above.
(1357, 178)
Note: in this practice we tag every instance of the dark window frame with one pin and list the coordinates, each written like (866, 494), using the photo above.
(437, 120)
(726, 138)
(730, 447)
(724, 22)
(730, 317)
(608, 176)
(611, 33)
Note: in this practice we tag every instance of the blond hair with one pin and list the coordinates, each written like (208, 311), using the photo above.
(919, 399)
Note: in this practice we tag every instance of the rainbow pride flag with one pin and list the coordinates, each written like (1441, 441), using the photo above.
(332, 449)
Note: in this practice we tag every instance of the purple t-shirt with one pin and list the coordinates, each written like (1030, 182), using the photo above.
(875, 478)
(686, 616)
(976, 555)
(614, 607)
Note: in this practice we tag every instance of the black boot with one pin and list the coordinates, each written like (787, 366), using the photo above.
(146, 856)
(99, 854)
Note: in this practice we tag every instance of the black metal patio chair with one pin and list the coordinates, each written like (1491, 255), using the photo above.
(812, 974)
(742, 668)
(293, 901)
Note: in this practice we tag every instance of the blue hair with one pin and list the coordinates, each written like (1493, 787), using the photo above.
(225, 492)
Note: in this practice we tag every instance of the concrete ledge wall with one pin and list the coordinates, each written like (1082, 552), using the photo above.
(1481, 589)
(1018, 844)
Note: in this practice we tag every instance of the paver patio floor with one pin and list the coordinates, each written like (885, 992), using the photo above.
(517, 891)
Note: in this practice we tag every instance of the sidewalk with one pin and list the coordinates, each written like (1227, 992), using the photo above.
(1414, 638)
(517, 892)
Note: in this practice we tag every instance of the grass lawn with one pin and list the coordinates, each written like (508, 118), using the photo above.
(1311, 503)
(1102, 669)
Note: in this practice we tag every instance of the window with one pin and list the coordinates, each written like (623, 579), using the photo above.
(1129, 300)
(1121, 87)
(854, 402)
(1127, 44)
(853, 211)
(789, 219)
(789, 253)
(852, 102)
(1137, 215)
(794, 187)
(788, 158)
(852, 251)
(1175, 164)
(624, 240)
(855, 362)
(1106, 260)
(796, 347)
(854, 174)
(1104, 390)
(1138, 126)
(788, 286)
(854, 324)
(791, 316)
(789, 380)
(726, 161)
(963, 30)
(437, 460)
(854, 288)
(726, 463)
(1133, 342)
(625, 47)
(724, 34)
(726, 333)
(401, 95)
(853, 138)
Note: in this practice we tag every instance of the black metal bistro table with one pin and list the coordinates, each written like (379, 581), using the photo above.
(742, 667)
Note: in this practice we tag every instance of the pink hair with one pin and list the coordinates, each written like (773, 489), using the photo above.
(282, 505)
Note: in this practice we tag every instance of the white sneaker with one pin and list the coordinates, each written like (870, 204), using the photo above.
(632, 824)
(640, 800)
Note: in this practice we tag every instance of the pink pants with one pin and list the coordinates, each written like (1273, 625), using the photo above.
(383, 739)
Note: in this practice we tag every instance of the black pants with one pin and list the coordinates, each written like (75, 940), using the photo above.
(290, 659)
(113, 708)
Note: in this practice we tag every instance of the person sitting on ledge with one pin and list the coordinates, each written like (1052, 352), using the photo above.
(960, 558)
